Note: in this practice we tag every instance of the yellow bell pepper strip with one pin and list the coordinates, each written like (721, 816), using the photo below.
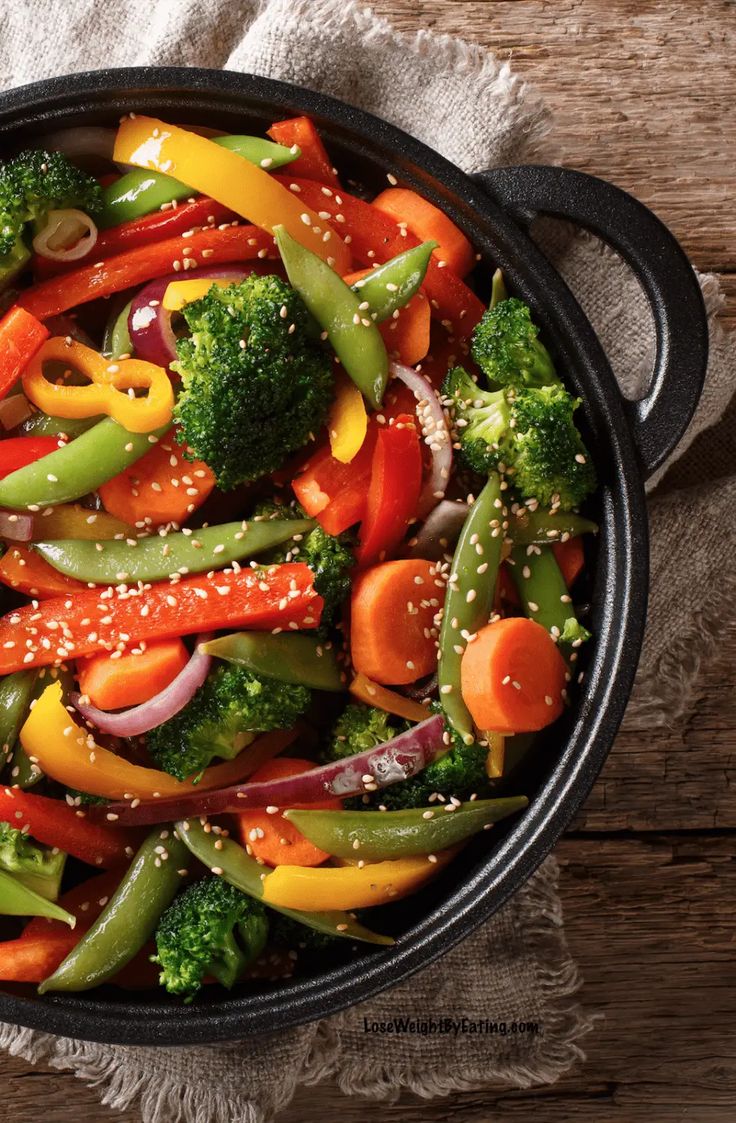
(226, 859)
(179, 293)
(223, 175)
(72, 521)
(350, 887)
(67, 753)
(106, 392)
(348, 421)
(365, 690)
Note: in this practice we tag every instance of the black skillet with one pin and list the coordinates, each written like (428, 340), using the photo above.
(629, 440)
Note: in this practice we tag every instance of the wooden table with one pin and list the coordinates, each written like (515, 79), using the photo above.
(643, 95)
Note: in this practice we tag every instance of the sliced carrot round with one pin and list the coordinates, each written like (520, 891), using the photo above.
(267, 835)
(392, 630)
(428, 223)
(513, 677)
(115, 684)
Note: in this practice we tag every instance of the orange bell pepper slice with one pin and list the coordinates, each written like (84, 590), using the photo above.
(223, 175)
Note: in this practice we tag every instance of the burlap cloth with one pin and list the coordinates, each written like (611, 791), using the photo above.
(462, 102)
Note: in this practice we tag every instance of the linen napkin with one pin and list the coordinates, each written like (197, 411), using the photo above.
(473, 109)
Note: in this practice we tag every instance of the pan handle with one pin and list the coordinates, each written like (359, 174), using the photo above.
(660, 418)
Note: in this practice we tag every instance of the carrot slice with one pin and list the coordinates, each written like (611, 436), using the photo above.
(570, 557)
(513, 677)
(162, 487)
(392, 631)
(23, 569)
(269, 836)
(114, 683)
(369, 692)
(428, 223)
(314, 163)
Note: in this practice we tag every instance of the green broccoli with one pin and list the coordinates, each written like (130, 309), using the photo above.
(39, 868)
(223, 717)
(283, 932)
(506, 348)
(257, 383)
(360, 728)
(32, 184)
(210, 928)
(460, 772)
(330, 557)
(531, 433)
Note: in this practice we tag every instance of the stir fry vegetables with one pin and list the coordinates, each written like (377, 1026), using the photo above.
(292, 540)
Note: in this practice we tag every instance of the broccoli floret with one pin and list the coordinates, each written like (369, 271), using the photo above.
(460, 772)
(531, 433)
(286, 933)
(82, 799)
(360, 728)
(257, 383)
(211, 928)
(31, 185)
(506, 348)
(223, 717)
(36, 866)
(330, 558)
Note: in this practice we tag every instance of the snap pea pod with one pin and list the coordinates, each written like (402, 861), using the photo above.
(16, 899)
(129, 918)
(379, 835)
(158, 557)
(140, 192)
(392, 285)
(299, 659)
(498, 289)
(116, 340)
(92, 459)
(469, 597)
(544, 596)
(356, 340)
(527, 528)
(16, 692)
(43, 425)
(242, 871)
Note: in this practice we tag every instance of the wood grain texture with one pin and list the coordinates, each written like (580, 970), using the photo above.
(643, 95)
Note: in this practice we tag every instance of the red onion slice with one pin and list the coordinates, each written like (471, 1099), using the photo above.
(157, 710)
(149, 323)
(386, 764)
(436, 434)
(439, 533)
(15, 527)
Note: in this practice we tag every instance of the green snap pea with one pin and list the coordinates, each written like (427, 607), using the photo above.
(43, 425)
(128, 920)
(82, 466)
(469, 597)
(242, 871)
(356, 340)
(16, 899)
(498, 289)
(544, 595)
(159, 556)
(116, 340)
(16, 692)
(528, 528)
(392, 285)
(288, 658)
(140, 192)
(381, 835)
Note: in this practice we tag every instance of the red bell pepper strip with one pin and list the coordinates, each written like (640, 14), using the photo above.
(202, 212)
(83, 902)
(30, 959)
(334, 493)
(17, 452)
(396, 481)
(55, 823)
(105, 620)
(375, 238)
(208, 247)
(21, 335)
(313, 163)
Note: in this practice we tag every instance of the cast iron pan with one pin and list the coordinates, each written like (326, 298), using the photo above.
(628, 441)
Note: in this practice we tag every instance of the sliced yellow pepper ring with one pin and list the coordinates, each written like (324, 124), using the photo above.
(348, 420)
(180, 293)
(323, 888)
(107, 389)
(223, 175)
